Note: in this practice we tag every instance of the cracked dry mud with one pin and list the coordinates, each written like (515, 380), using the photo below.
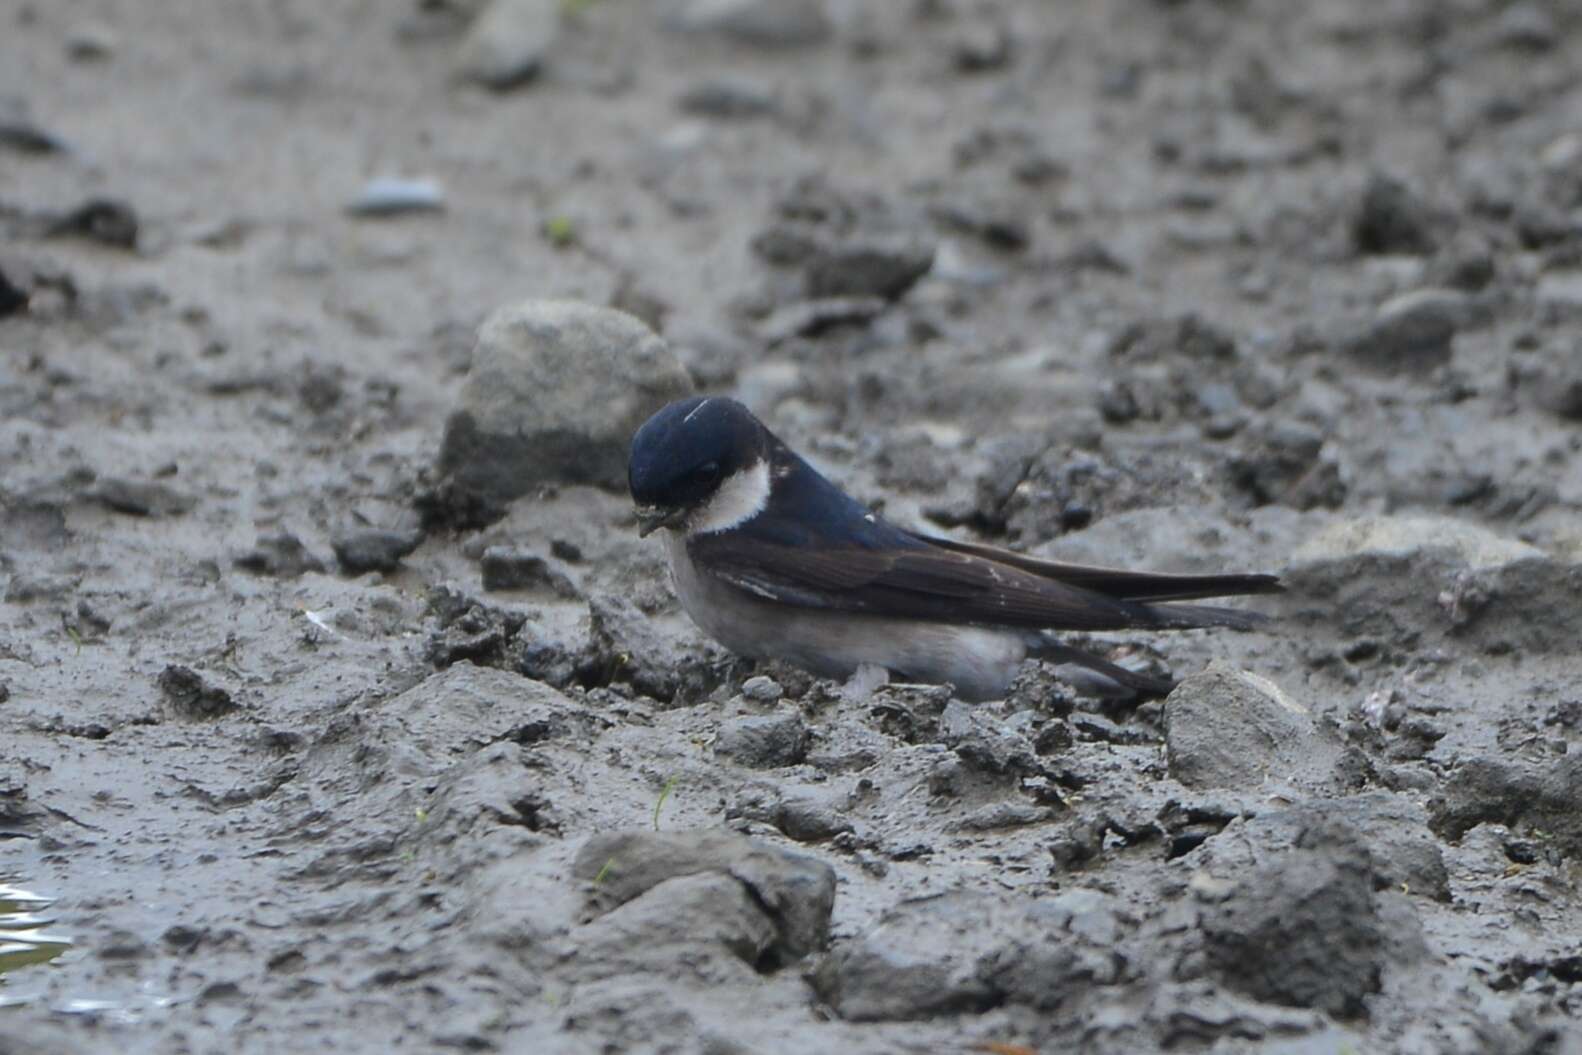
(315, 748)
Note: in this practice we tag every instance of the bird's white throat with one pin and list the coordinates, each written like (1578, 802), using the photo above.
(741, 496)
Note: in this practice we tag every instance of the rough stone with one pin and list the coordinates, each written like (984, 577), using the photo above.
(1227, 728)
(969, 952)
(762, 688)
(556, 390)
(362, 550)
(1412, 333)
(143, 498)
(729, 97)
(763, 741)
(192, 697)
(1509, 792)
(868, 266)
(675, 925)
(1401, 579)
(1304, 929)
(1393, 827)
(508, 41)
(508, 568)
(812, 318)
(796, 892)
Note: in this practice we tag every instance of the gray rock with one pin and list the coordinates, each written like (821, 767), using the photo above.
(807, 816)
(627, 646)
(810, 318)
(91, 42)
(508, 568)
(1227, 728)
(968, 952)
(1558, 389)
(13, 298)
(1391, 219)
(1401, 579)
(1305, 929)
(868, 266)
(1509, 792)
(1283, 462)
(997, 815)
(1393, 827)
(25, 587)
(983, 744)
(392, 196)
(1000, 223)
(797, 892)
(981, 46)
(1526, 27)
(763, 741)
(762, 688)
(143, 498)
(729, 97)
(555, 392)
(507, 43)
(362, 550)
(191, 697)
(1412, 333)
(1164, 339)
(759, 23)
(674, 926)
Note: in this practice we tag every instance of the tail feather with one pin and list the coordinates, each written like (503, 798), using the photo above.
(1143, 686)
(1196, 616)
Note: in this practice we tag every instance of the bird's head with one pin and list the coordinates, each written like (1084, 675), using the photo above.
(699, 464)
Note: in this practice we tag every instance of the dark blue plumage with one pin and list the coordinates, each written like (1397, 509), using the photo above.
(754, 526)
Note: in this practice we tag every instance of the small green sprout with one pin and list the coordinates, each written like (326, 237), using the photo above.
(561, 231)
(670, 785)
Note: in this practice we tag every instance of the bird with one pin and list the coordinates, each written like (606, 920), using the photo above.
(774, 561)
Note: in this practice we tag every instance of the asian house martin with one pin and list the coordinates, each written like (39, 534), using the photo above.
(775, 562)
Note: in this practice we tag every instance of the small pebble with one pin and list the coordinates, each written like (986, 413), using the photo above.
(761, 687)
(392, 197)
(91, 42)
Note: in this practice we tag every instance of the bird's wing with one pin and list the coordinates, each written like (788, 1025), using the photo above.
(913, 580)
(1112, 582)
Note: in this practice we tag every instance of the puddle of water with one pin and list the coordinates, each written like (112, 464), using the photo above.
(22, 941)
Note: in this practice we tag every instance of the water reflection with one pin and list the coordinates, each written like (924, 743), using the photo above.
(22, 938)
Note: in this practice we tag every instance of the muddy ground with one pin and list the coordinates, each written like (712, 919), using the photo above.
(1184, 285)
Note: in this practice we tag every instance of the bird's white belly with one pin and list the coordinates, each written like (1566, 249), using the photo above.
(979, 662)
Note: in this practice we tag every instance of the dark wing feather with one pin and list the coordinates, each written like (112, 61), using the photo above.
(1124, 585)
(816, 547)
(917, 581)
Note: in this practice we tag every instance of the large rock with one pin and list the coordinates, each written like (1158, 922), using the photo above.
(1412, 333)
(1226, 728)
(970, 951)
(795, 893)
(507, 43)
(877, 265)
(1393, 827)
(1511, 792)
(763, 741)
(1403, 579)
(555, 392)
(1306, 929)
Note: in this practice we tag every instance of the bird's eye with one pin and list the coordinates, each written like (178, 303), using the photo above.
(707, 473)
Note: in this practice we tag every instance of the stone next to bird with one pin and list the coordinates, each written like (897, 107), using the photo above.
(776, 562)
(553, 394)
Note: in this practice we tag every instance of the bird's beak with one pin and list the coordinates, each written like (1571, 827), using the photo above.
(652, 518)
